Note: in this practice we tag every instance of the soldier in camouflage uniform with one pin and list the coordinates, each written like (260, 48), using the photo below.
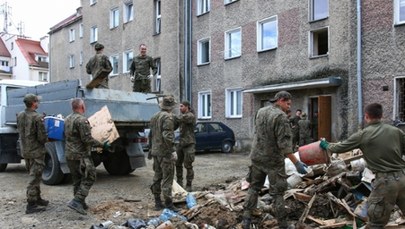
(186, 148)
(163, 152)
(33, 137)
(304, 126)
(99, 64)
(271, 144)
(140, 71)
(383, 147)
(78, 143)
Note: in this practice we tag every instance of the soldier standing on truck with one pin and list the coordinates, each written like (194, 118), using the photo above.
(186, 147)
(33, 137)
(163, 153)
(78, 141)
(99, 64)
(140, 71)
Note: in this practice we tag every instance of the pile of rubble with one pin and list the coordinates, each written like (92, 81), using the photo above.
(330, 196)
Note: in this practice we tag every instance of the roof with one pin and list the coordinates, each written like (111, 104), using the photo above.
(3, 49)
(31, 48)
(69, 20)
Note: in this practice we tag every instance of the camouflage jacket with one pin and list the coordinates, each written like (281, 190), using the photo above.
(272, 139)
(140, 67)
(78, 139)
(186, 123)
(99, 64)
(304, 127)
(30, 126)
(161, 134)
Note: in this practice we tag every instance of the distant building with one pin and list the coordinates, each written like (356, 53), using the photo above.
(5, 62)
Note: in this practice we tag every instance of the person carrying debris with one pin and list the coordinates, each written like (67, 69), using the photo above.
(186, 148)
(99, 66)
(272, 142)
(78, 141)
(163, 153)
(140, 71)
(304, 126)
(33, 136)
(383, 146)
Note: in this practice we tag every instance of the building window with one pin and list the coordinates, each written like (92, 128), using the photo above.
(128, 12)
(114, 18)
(229, 1)
(43, 76)
(399, 11)
(319, 42)
(127, 61)
(81, 30)
(158, 16)
(204, 105)
(157, 77)
(71, 61)
(93, 34)
(4, 63)
(72, 34)
(114, 62)
(233, 43)
(203, 51)
(203, 6)
(319, 9)
(233, 102)
(15, 61)
(267, 34)
(399, 100)
(41, 58)
(81, 58)
(92, 2)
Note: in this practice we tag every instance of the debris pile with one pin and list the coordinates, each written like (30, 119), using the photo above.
(331, 195)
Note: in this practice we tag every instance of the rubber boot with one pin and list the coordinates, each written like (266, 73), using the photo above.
(188, 187)
(42, 202)
(246, 223)
(158, 203)
(77, 206)
(169, 204)
(32, 207)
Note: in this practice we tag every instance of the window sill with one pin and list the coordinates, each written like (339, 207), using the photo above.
(203, 64)
(156, 34)
(320, 19)
(266, 50)
(229, 3)
(231, 58)
(319, 56)
(202, 14)
(234, 117)
(204, 118)
(398, 24)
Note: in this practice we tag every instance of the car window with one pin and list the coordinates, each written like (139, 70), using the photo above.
(215, 127)
(200, 127)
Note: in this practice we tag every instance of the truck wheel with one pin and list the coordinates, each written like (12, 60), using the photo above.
(117, 163)
(52, 173)
(227, 147)
(3, 167)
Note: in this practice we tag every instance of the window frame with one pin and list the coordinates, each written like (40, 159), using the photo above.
(204, 105)
(127, 58)
(158, 17)
(311, 42)
(199, 51)
(260, 36)
(114, 17)
(72, 35)
(81, 58)
(81, 29)
(312, 5)
(397, 12)
(93, 34)
(203, 7)
(71, 61)
(227, 2)
(129, 12)
(92, 2)
(115, 60)
(231, 103)
(41, 75)
(157, 78)
(227, 53)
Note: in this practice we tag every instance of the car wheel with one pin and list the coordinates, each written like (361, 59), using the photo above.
(227, 147)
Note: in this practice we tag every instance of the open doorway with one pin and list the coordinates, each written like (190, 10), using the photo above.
(321, 117)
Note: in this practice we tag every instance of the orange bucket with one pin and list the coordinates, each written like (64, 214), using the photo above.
(313, 154)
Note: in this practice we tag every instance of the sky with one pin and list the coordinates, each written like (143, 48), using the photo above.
(37, 15)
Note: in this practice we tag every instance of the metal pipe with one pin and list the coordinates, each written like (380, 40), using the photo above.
(359, 65)
(187, 50)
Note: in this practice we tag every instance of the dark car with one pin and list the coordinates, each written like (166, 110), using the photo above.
(213, 136)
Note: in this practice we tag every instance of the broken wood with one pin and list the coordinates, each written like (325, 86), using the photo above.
(306, 211)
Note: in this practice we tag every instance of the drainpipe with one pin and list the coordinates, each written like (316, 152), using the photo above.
(359, 66)
(187, 50)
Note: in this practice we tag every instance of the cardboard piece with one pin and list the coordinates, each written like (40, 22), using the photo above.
(102, 126)
(100, 76)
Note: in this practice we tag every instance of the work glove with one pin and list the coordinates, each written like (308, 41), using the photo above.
(174, 156)
(324, 144)
(132, 79)
(150, 76)
(106, 145)
(301, 167)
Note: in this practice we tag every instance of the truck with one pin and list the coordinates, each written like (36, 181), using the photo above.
(130, 112)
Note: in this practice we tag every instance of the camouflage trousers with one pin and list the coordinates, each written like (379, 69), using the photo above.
(277, 187)
(305, 139)
(185, 156)
(35, 166)
(388, 191)
(163, 178)
(142, 85)
(83, 175)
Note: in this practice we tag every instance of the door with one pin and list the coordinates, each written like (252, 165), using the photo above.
(324, 117)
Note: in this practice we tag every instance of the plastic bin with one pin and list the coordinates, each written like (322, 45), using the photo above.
(54, 127)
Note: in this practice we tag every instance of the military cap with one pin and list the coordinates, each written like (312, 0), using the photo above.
(30, 98)
(281, 95)
(167, 102)
(304, 115)
(98, 46)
